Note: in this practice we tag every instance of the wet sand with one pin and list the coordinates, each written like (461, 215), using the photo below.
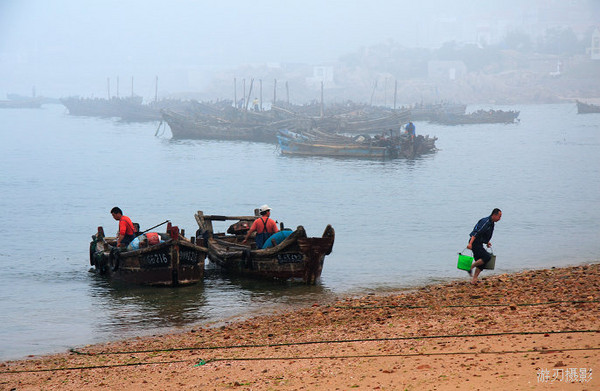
(538, 329)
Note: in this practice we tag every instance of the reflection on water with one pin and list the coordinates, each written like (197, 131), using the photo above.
(127, 306)
(129, 310)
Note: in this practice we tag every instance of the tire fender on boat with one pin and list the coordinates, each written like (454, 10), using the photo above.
(247, 258)
(92, 252)
(113, 259)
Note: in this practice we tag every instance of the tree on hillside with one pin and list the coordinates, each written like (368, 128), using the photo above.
(517, 40)
(474, 57)
(560, 41)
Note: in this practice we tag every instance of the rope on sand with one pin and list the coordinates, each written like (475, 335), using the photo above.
(270, 345)
(293, 358)
(368, 307)
(399, 355)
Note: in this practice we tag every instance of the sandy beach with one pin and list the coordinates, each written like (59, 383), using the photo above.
(537, 329)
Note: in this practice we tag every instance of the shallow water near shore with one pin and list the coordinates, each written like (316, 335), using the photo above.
(399, 223)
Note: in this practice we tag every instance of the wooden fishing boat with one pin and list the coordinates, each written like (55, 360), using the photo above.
(173, 261)
(478, 117)
(587, 108)
(208, 128)
(364, 146)
(362, 122)
(21, 104)
(98, 107)
(427, 112)
(297, 257)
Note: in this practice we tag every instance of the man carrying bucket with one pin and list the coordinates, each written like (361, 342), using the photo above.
(482, 234)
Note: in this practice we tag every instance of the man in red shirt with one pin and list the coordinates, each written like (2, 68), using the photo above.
(126, 229)
(263, 226)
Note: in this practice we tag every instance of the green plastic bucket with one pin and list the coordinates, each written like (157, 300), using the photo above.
(464, 262)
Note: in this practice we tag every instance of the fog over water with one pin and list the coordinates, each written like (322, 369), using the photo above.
(70, 47)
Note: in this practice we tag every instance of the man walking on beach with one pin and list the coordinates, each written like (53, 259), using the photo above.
(482, 234)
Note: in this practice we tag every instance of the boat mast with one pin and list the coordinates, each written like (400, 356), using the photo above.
(322, 107)
(244, 91)
(395, 92)
(235, 103)
(261, 106)
(249, 93)
(287, 92)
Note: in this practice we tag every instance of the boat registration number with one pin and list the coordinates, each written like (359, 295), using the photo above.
(289, 258)
(155, 260)
(188, 257)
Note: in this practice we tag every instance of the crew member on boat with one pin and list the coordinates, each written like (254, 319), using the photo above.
(126, 228)
(410, 129)
(264, 227)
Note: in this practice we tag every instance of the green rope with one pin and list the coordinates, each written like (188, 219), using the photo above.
(94, 367)
(204, 362)
(398, 355)
(337, 341)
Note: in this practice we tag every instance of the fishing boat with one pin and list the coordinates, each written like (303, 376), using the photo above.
(98, 107)
(587, 108)
(362, 146)
(294, 256)
(478, 117)
(426, 112)
(21, 104)
(163, 259)
(210, 128)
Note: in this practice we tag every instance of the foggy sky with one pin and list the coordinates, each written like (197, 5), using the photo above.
(71, 47)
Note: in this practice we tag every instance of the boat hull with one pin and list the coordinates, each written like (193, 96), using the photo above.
(298, 257)
(21, 104)
(170, 263)
(290, 147)
(291, 143)
(184, 127)
(479, 117)
(587, 108)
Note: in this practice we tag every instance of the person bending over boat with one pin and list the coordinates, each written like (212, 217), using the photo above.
(126, 228)
(482, 234)
(410, 129)
(264, 227)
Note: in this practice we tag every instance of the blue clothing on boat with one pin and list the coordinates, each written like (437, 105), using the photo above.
(410, 128)
(277, 237)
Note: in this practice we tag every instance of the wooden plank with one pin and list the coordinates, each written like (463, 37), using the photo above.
(224, 218)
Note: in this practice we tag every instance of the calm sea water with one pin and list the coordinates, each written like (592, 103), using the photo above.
(398, 223)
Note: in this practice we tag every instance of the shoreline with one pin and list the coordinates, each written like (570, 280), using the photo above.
(526, 330)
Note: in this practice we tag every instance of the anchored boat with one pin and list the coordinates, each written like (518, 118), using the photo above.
(167, 259)
(295, 257)
(362, 146)
(587, 108)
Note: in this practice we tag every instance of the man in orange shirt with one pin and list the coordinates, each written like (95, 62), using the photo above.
(126, 228)
(263, 226)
